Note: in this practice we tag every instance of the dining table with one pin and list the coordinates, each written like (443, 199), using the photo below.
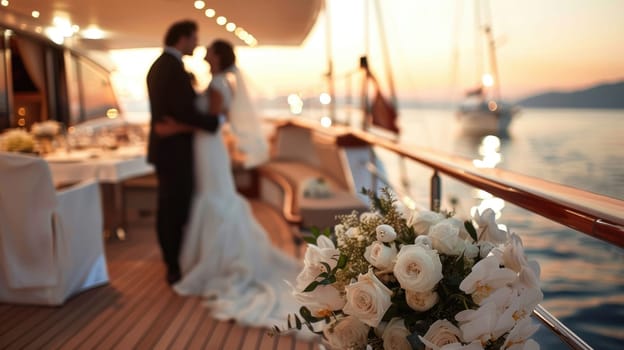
(110, 167)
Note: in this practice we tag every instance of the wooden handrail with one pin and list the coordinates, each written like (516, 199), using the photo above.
(596, 215)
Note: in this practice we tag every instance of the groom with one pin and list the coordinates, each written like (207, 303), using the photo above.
(171, 94)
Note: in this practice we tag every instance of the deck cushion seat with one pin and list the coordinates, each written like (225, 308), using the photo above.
(317, 212)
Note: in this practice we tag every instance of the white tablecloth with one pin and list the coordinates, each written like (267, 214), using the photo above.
(104, 166)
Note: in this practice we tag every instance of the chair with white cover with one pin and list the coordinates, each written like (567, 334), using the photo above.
(51, 243)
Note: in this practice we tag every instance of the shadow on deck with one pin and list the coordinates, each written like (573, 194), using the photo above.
(138, 310)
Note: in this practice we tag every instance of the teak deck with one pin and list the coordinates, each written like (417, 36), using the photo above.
(137, 309)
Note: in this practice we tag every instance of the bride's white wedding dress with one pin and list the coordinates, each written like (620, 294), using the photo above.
(226, 255)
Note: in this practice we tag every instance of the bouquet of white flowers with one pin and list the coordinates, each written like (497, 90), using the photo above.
(394, 278)
(17, 140)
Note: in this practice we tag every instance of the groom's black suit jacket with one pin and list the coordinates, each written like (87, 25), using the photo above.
(171, 94)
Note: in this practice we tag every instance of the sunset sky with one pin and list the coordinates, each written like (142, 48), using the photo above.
(542, 45)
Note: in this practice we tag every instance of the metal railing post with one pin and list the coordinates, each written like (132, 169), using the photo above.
(436, 191)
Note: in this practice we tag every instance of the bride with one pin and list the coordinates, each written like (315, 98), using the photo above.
(226, 255)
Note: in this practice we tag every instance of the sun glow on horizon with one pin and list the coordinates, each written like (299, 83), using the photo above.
(540, 46)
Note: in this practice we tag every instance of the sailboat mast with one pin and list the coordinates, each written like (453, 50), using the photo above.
(386, 56)
(492, 50)
(330, 63)
(366, 115)
(478, 43)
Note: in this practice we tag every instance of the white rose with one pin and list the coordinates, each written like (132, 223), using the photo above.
(321, 301)
(424, 241)
(422, 220)
(385, 233)
(445, 238)
(346, 333)
(368, 299)
(381, 256)
(395, 335)
(421, 301)
(417, 268)
(443, 332)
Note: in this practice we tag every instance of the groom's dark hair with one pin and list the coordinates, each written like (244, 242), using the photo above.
(178, 30)
(226, 54)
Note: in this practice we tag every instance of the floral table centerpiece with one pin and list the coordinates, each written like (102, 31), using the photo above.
(395, 278)
(17, 140)
(46, 129)
(45, 132)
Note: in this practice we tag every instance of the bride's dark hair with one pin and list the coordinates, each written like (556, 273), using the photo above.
(225, 51)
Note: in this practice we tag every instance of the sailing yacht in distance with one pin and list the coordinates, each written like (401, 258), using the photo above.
(483, 112)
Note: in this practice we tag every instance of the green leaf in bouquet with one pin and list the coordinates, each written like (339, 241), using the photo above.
(297, 322)
(307, 315)
(312, 286)
(342, 262)
(309, 239)
(327, 267)
(471, 230)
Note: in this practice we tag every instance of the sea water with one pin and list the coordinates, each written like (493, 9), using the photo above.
(582, 277)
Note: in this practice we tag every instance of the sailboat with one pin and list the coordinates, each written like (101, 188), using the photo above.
(137, 309)
(483, 111)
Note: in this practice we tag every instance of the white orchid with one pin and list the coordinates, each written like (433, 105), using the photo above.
(478, 324)
(486, 276)
(488, 229)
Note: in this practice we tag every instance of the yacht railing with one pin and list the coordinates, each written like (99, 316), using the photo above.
(593, 214)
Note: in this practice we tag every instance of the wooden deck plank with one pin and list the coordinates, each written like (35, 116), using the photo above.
(218, 336)
(252, 339)
(190, 304)
(138, 310)
(162, 323)
(203, 333)
(104, 321)
(74, 313)
(148, 319)
(284, 342)
(235, 338)
(266, 341)
(149, 300)
(190, 327)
